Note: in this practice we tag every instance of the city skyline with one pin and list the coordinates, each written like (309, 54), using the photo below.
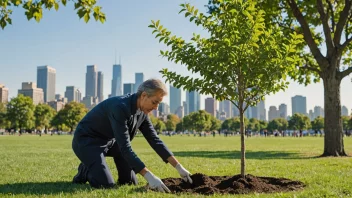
(125, 34)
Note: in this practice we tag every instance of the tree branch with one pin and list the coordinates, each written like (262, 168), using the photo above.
(332, 16)
(311, 69)
(346, 43)
(324, 18)
(342, 22)
(308, 37)
(346, 72)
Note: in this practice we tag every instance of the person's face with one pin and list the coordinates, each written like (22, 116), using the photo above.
(149, 103)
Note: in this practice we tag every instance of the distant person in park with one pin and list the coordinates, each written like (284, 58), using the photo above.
(108, 129)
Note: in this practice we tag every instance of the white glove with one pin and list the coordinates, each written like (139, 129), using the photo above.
(185, 174)
(155, 183)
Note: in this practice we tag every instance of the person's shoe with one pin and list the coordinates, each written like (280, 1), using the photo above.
(81, 177)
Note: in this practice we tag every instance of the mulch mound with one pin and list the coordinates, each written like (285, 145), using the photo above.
(207, 185)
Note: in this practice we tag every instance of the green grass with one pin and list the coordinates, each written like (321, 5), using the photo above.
(33, 166)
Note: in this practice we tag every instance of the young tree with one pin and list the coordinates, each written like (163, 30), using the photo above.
(72, 113)
(43, 114)
(242, 60)
(34, 9)
(20, 112)
(326, 27)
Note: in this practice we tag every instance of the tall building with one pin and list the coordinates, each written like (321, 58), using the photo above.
(175, 99)
(73, 94)
(311, 115)
(273, 113)
(116, 83)
(4, 94)
(344, 111)
(139, 78)
(57, 105)
(185, 108)
(179, 112)
(100, 87)
(164, 108)
(193, 101)
(210, 106)
(225, 109)
(91, 81)
(255, 112)
(283, 111)
(128, 88)
(262, 110)
(299, 105)
(30, 89)
(318, 111)
(46, 79)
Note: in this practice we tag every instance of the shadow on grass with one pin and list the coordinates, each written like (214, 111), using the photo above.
(237, 154)
(50, 188)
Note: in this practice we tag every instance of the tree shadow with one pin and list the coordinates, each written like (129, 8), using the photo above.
(50, 188)
(260, 155)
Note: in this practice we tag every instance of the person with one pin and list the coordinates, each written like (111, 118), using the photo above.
(108, 129)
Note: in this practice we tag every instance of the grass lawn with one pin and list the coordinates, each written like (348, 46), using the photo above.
(33, 166)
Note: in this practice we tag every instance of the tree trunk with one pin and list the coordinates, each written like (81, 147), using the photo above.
(243, 148)
(333, 140)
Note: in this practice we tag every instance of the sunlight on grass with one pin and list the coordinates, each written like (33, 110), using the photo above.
(33, 166)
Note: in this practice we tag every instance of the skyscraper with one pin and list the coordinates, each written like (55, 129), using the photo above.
(100, 86)
(4, 94)
(72, 94)
(164, 108)
(318, 111)
(283, 111)
(262, 110)
(128, 88)
(299, 105)
(211, 106)
(185, 108)
(175, 99)
(91, 81)
(30, 89)
(225, 107)
(344, 111)
(255, 112)
(139, 78)
(273, 113)
(193, 101)
(116, 83)
(46, 79)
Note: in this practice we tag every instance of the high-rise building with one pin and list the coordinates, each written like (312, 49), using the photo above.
(128, 88)
(193, 101)
(46, 79)
(179, 112)
(175, 99)
(299, 105)
(139, 78)
(344, 111)
(30, 89)
(255, 112)
(100, 86)
(164, 108)
(4, 94)
(318, 111)
(311, 115)
(273, 113)
(210, 106)
(116, 83)
(185, 108)
(262, 110)
(225, 109)
(283, 111)
(73, 94)
(91, 81)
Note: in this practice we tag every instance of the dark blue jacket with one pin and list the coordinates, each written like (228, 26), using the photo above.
(118, 118)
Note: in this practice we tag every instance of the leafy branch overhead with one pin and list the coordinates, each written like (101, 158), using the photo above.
(34, 9)
(241, 58)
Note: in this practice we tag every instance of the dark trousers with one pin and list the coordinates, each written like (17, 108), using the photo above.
(92, 153)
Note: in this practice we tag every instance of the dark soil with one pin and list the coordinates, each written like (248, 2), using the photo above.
(207, 185)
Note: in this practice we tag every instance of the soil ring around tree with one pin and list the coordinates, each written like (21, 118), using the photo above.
(208, 185)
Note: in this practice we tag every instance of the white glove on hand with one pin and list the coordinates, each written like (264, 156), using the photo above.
(185, 174)
(155, 183)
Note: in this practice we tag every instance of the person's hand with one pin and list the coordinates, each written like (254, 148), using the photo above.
(185, 174)
(155, 183)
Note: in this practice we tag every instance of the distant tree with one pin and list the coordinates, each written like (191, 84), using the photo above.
(263, 124)
(279, 124)
(187, 123)
(172, 121)
(4, 123)
(215, 124)
(318, 123)
(34, 9)
(43, 114)
(242, 60)
(201, 120)
(299, 122)
(160, 126)
(254, 124)
(20, 112)
(153, 119)
(73, 112)
(58, 121)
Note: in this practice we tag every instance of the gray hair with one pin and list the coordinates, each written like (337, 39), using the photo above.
(152, 86)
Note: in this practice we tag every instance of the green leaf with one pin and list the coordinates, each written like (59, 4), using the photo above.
(64, 2)
(56, 6)
(86, 17)
(81, 13)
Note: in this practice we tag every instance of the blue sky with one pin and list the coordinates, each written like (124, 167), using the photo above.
(68, 44)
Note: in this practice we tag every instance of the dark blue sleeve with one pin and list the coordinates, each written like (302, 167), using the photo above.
(153, 139)
(118, 120)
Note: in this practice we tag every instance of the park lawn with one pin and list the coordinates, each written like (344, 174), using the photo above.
(33, 166)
